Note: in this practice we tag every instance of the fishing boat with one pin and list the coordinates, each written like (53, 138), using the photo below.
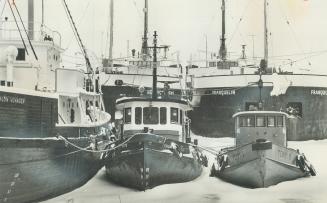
(125, 75)
(220, 88)
(260, 156)
(154, 141)
(52, 125)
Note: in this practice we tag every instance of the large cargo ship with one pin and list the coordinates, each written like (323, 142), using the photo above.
(51, 128)
(224, 87)
(126, 76)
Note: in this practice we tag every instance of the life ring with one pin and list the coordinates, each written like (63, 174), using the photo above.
(312, 170)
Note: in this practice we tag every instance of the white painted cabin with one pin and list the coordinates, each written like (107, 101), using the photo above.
(253, 125)
(164, 117)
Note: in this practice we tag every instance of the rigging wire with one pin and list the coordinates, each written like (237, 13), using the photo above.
(303, 59)
(78, 38)
(28, 37)
(3, 8)
(20, 34)
(238, 24)
(79, 21)
(290, 26)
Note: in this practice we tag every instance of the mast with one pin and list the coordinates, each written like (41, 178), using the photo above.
(31, 19)
(154, 82)
(223, 49)
(111, 41)
(265, 36)
(42, 22)
(144, 50)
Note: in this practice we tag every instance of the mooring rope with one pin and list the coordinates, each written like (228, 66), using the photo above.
(211, 151)
(96, 151)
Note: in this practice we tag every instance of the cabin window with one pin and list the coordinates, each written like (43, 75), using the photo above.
(261, 121)
(271, 121)
(247, 121)
(174, 115)
(181, 117)
(127, 115)
(279, 121)
(96, 103)
(138, 115)
(150, 115)
(21, 54)
(294, 109)
(163, 115)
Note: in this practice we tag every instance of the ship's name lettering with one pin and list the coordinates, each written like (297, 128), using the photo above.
(319, 92)
(223, 92)
(12, 100)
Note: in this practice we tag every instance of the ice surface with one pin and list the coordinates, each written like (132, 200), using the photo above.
(211, 189)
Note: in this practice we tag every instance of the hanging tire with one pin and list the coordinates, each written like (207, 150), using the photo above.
(300, 162)
(213, 171)
(312, 170)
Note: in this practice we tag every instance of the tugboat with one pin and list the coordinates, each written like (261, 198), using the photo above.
(52, 126)
(260, 157)
(157, 146)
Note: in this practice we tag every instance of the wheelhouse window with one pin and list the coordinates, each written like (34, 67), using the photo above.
(279, 121)
(174, 115)
(150, 115)
(127, 115)
(271, 121)
(247, 121)
(261, 121)
(138, 115)
(163, 115)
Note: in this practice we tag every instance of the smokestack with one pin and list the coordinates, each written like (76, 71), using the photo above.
(31, 19)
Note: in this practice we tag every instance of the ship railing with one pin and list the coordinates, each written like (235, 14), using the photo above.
(42, 33)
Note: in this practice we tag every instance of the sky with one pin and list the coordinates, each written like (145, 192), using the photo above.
(295, 27)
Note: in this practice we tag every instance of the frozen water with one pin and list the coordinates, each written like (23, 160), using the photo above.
(211, 189)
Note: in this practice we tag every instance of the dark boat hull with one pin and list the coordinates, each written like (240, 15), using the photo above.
(256, 165)
(34, 163)
(213, 116)
(147, 166)
(38, 169)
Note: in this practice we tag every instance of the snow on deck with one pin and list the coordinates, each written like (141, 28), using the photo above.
(211, 189)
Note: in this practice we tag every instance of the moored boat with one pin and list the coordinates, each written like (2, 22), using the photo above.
(52, 127)
(157, 146)
(260, 157)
